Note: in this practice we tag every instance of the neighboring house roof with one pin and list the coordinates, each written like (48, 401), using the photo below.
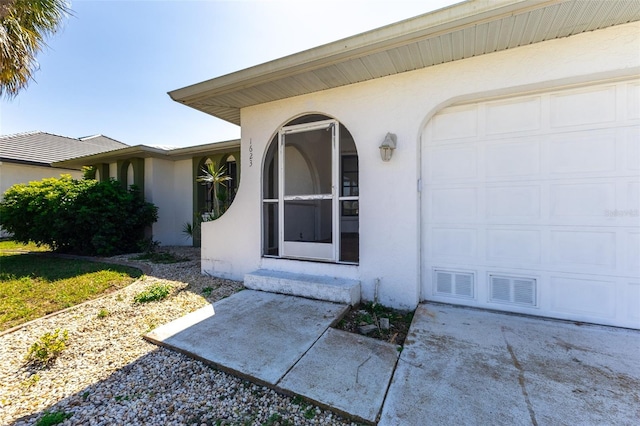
(144, 151)
(457, 32)
(43, 149)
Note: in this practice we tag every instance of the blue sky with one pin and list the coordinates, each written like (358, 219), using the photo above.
(109, 69)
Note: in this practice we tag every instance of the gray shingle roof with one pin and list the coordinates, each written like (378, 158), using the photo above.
(46, 148)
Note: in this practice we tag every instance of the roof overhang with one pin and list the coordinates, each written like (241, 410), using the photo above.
(464, 30)
(144, 151)
(28, 163)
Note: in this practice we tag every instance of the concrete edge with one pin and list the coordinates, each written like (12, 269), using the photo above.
(259, 382)
(275, 386)
(328, 407)
(170, 329)
(215, 365)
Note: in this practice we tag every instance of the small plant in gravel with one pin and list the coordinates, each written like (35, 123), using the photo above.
(53, 418)
(153, 293)
(31, 381)
(47, 348)
(151, 325)
(161, 257)
(275, 417)
(298, 400)
(102, 313)
(309, 413)
(206, 292)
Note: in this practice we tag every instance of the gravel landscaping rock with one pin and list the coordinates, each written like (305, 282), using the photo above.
(109, 375)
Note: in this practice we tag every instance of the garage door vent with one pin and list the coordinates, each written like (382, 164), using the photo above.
(513, 290)
(454, 283)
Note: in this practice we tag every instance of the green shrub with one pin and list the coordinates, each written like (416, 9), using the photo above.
(77, 216)
(152, 293)
(53, 418)
(47, 347)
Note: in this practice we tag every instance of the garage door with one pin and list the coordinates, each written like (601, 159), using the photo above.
(531, 204)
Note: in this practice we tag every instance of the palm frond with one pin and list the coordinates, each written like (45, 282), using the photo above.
(214, 177)
(24, 26)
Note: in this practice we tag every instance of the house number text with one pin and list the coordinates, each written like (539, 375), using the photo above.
(250, 153)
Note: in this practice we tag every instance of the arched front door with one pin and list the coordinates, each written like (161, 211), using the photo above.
(307, 194)
(310, 192)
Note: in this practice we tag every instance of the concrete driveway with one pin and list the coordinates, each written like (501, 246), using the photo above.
(464, 366)
(459, 366)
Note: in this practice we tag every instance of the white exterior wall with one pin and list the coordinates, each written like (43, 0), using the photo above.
(182, 197)
(12, 173)
(113, 170)
(390, 213)
(166, 185)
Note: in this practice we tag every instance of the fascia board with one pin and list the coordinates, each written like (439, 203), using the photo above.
(114, 155)
(147, 152)
(439, 22)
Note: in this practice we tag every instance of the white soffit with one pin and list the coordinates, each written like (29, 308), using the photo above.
(457, 32)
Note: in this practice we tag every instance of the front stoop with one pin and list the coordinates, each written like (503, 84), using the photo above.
(331, 289)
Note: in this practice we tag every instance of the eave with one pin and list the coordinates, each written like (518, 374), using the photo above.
(472, 28)
(144, 151)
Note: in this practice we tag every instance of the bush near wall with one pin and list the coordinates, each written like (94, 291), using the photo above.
(77, 216)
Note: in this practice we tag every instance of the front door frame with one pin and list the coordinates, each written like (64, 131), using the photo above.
(308, 250)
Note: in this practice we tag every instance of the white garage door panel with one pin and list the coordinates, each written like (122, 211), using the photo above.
(520, 115)
(513, 204)
(592, 250)
(584, 297)
(633, 101)
(632, 248)
(531, 204)
(513, 159)
(514, 246)
(632, 297)
(587, 200)
(590, 106)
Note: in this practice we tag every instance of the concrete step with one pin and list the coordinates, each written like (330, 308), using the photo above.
(331, 289)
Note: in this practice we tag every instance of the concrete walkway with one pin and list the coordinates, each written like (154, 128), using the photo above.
(458, 365)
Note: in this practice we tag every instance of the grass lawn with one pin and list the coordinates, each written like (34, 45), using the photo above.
(8, 245)
(33, 285)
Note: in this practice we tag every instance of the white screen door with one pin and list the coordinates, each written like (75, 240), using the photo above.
(307, 194)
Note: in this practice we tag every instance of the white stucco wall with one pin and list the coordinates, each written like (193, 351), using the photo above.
(183, 200)
(390, 213)
(12, 173)
(113, 170)
(167, 185)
